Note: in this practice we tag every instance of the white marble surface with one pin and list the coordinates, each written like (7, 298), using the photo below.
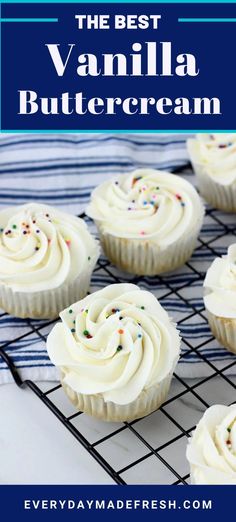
(36, 448)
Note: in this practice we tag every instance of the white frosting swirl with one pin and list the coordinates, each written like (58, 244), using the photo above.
(147, 204)
(220, 285)
(217, 154)
(115, 342)
(212, 448)
(42, 248)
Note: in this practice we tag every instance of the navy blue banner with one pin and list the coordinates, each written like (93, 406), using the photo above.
(104, 503)
(118, 66)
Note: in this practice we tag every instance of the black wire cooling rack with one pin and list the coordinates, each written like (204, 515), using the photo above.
(152, 450)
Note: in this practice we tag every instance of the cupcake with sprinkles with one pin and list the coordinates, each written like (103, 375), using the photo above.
(46, 260)
(116, 351)
(213, 157)
(211, 451)
(148, 220)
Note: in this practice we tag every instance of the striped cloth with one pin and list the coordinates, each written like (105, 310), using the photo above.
(61, 170)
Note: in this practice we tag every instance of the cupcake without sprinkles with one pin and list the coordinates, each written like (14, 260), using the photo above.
(213, 157)
(148, 220)
(46, 260)
(116, 351)
(220, 298)
(211, 451)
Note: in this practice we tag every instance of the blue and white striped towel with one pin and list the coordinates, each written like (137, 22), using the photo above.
(61, 170)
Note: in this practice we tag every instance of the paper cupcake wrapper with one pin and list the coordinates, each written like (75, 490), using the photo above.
(46, 304)
(145, 257)
(148, 401)
(219, 196)
(224, 330)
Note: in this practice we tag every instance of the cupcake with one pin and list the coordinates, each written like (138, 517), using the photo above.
(148, 220)
(213, 157)
(212, 448)
(46, 260)
(220, 298)
(116, 350)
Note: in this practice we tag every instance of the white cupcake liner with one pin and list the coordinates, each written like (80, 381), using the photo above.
(46, 304)
(148, 401)
(144, 257)
(219, 196)
(224, 329)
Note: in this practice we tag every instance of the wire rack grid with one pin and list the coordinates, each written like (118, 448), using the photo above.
(152, 450)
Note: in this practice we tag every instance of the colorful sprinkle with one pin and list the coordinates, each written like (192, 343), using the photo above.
(145, 202)
(229, 430)
(142, 307)
(142, 233)
(139, 335)
(24, 231)
(119, 348)
(120, 331)
(178, 196)
(49, 241)
(225, 145)
(1, 229)
(85, 332)
(14, 226)
(37, 231)
(135, 180)
(47, 215)
(73, 330)
(89, 258)
(116, 183)
(86, 311)
(74, 321)
(34, 221)
(68, 242)
(182, 204)
(157, 188)
(89, 336)
(120, 318)
(36, 248)
(70, 311)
